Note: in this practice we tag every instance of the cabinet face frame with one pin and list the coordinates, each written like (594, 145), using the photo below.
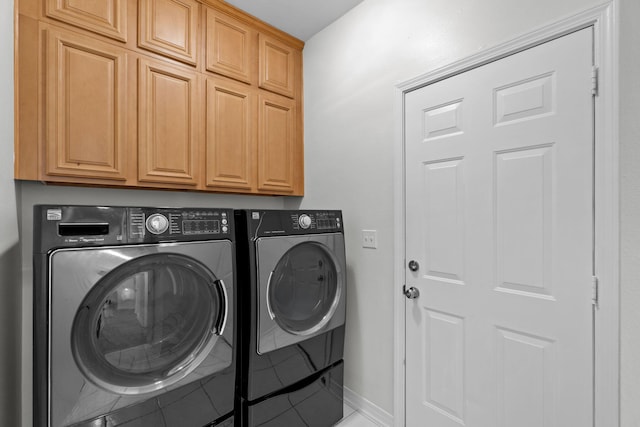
(86, 138)
(112, 22)
(231, 47)
(179, 42)
(168, 130)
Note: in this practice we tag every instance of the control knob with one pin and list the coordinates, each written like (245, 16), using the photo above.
(157, 223)
(305, 221)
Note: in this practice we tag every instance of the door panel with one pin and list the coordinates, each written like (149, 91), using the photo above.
(86, 113)
(277, 149)
(230, 135)
(170, 28)
(499, 217)
(108, 17)
(169, 138)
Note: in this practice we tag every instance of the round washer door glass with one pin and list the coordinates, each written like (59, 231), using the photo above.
(148, 323)
(304, 288)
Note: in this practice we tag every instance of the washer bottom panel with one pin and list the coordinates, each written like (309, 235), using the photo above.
(315, 404)
(205, 402)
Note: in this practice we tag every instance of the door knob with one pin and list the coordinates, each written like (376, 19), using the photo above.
(411, 293)
(413, 265)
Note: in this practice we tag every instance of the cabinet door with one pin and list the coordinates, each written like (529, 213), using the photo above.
(278, 157)
(168, 127)
(230, 135)
(170, 28)
(85, 109)
(277, 66)
(107, 17)
(231, 47)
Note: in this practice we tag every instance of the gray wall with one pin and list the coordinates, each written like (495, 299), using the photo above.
(9, 241)
(351, 68)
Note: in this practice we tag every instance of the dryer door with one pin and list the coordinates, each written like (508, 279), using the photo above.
(133, 320)
(301, 288)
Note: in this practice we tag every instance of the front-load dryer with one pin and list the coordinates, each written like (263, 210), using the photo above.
(292, 287)
(134, 319)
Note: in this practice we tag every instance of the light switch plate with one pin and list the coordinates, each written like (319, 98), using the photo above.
(370, 239)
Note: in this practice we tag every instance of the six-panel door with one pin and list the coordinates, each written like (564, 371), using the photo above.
(499, 219)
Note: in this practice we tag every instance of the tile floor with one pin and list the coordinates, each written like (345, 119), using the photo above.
(352, 418)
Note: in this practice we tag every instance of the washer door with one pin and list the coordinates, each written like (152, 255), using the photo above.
(302, 286)
(129, 322)
(148, 323)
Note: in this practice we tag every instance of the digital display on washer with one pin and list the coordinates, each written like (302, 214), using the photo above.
(200, 226)
(326, 223)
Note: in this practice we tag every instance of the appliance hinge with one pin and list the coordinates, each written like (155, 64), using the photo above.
(594, 81)
(594, 290)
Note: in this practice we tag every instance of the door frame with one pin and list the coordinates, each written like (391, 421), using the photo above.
(606, 186)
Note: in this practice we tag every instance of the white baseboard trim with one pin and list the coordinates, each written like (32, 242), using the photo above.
(367, 409)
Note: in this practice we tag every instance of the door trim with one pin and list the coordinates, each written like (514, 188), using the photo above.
(606, 184)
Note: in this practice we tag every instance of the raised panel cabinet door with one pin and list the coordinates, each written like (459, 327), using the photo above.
(85, 109)
(231, 46)
(277, 150)
(169, 27)
(230, 135)
(277, 65)
(106, 17)
(168, 123)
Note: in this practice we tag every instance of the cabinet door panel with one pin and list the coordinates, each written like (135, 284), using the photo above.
(276, 144)
(168, 134)
(277, 66)
(107, 17)
(230, 139)
(231, 47)
(85, 110)
(169, 27)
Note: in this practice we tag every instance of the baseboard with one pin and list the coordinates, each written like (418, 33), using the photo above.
(367, 409)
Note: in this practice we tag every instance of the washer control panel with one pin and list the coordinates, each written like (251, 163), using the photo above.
(153, 224)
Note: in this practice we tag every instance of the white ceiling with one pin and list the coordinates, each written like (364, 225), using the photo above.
(300, 18)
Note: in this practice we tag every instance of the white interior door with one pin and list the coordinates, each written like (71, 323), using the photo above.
(499, 221)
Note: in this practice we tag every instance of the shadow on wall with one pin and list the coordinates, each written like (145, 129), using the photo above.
(10, 286)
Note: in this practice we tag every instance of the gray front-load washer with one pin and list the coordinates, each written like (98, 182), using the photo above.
(133, 316)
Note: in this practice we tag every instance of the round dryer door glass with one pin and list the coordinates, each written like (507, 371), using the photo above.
(304, 289)
(148, 323)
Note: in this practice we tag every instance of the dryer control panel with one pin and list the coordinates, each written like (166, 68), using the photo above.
(275, 222)
(320, 221)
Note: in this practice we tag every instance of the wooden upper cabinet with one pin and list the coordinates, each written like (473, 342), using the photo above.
(278, 146)
(231, 46)
(85, 107)
(106, 17)
(168, 123)
(277, 66)
(230, 135)
(170, 28)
